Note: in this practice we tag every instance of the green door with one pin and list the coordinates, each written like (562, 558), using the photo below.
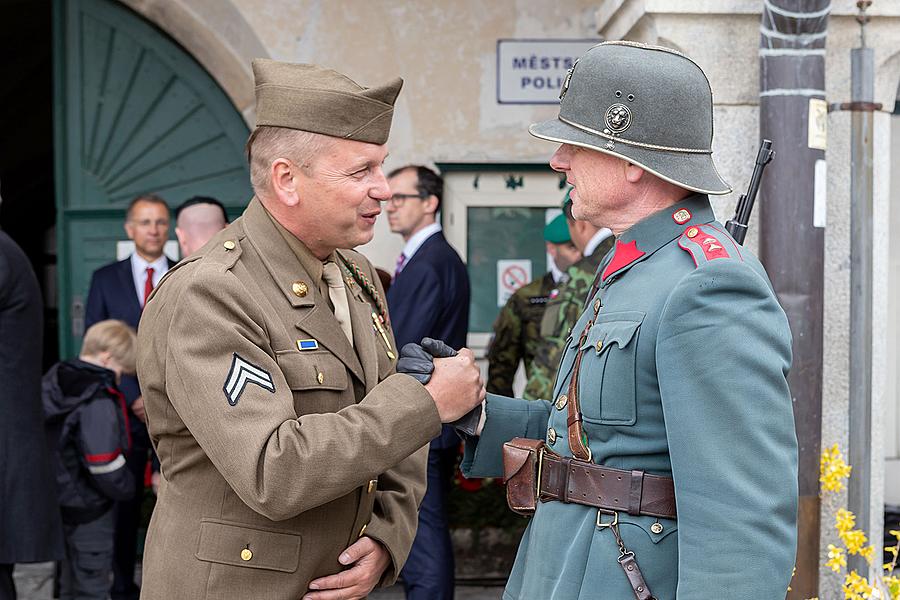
(134, 113)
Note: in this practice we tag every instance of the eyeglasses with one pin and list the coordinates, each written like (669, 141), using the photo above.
(397, 200)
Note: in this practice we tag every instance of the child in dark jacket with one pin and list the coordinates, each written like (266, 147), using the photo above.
(87, 427)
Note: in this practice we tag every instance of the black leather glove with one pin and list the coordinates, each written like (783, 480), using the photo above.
(416, 362)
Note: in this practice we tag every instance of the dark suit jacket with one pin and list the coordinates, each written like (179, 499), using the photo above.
(112, 296)
(430, 298)
(30, 525)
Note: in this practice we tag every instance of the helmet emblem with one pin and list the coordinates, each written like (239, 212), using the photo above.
(618, 118)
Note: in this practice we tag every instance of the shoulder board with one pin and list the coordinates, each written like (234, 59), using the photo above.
(707, 242)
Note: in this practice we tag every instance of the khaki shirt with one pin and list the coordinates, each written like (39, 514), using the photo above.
(274, 458)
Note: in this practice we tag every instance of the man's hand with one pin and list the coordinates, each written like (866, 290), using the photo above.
(456, 385)
(369, 559)
(137, 407)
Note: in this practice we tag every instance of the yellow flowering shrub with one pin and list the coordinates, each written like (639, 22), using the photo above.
(833, 472)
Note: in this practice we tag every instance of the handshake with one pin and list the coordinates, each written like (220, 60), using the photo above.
(451, 377)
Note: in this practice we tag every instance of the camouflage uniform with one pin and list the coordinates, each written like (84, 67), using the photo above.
(560, 314)
(517, 334)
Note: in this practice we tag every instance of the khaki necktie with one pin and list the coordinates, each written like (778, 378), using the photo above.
(338, 295)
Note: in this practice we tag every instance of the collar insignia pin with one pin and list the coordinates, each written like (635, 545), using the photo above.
(681, 216)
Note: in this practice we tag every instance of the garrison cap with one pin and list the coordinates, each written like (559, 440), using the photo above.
(319, 100)
(557, 230)
(649, 105)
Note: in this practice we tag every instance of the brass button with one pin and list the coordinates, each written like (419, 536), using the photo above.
(599, 346)
(656, 528)
(561, 402)
(228, 244)
(372, 484)
(299, 288)
(551, 436)
(692, 232)
(246, 554)
(320, 377)
(363, 530)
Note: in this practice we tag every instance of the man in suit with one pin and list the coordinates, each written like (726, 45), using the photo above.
(293, 457)
(119, 291)
(428, 298)
(30, 525)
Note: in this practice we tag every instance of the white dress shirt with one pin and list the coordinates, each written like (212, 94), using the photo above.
(139, 272)
(596, 241)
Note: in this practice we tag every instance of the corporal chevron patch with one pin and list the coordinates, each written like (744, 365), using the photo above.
(240, 375)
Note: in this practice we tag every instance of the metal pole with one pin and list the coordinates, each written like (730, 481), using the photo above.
(859, 491)
(792, 111)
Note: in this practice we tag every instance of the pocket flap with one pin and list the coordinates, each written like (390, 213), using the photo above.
(613, 328)
(516, 456)
(225, 543)
(665, 527)
(302, 370)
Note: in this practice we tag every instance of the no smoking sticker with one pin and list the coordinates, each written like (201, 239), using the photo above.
(511, 275)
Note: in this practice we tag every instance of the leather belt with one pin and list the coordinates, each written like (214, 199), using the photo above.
(567, 479)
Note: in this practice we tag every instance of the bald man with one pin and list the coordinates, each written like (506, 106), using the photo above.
(196, 221)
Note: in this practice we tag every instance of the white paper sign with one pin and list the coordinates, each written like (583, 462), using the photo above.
(532, 71)
(511, 275)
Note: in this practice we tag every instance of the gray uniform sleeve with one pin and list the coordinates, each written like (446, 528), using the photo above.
(723, 353)
(506, 418)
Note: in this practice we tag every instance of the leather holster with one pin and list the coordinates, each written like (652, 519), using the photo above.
(521, 466)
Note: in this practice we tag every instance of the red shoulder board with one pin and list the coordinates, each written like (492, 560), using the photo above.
(707, 242)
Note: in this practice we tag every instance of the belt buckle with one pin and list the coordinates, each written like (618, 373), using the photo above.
(613, 523)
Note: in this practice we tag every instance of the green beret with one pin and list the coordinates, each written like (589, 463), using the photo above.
(557, 231)
(312, 98)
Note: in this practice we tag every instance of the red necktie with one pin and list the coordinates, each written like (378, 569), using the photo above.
(148, 285)
(401, 260)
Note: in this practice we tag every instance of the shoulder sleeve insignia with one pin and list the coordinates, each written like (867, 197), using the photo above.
(241, 374)
(707, 242)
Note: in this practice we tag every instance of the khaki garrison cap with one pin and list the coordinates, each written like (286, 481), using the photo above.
(312, 98)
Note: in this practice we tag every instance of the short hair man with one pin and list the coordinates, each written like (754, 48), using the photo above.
(674, 382)
(567, 304)
(517, 329)
(429, 297)
(291, 453)
(119, 291)
(197, 219)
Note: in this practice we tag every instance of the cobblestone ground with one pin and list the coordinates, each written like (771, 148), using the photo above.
(35, 582)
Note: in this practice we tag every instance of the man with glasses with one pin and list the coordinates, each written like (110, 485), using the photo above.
(428, 298)
(119, 291)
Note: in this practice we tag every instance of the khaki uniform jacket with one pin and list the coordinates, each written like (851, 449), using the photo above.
(273, 458)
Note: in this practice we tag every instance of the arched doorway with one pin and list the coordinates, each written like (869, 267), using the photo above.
(133, 113)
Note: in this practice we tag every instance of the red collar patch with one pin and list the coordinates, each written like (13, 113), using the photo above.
(624, 255)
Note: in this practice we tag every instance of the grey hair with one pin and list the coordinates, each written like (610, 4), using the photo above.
(266, 144)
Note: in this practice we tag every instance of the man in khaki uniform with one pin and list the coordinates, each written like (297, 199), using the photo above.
(292, 455)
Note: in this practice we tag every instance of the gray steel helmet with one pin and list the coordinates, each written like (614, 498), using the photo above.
(649, 105)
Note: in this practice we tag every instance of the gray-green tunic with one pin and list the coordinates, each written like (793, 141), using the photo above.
(690, 382)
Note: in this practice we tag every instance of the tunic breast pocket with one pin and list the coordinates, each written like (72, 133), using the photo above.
(606, 383)
(312, 370)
